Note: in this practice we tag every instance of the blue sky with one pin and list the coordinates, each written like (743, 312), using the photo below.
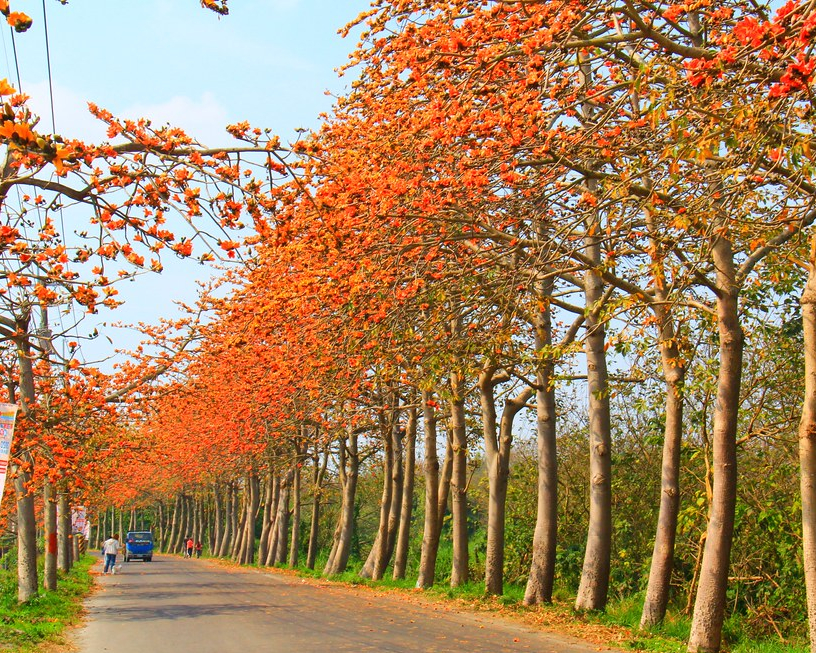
(269, 62)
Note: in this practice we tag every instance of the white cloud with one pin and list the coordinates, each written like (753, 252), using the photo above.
(73, 120)
(203, 118)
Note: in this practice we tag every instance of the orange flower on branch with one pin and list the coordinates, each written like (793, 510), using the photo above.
(218, 6)
(229, 246)
(19, 21)
(184, 248)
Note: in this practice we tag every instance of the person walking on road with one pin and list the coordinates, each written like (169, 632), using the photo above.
(189, 552)
(198, 548)
(111, 548)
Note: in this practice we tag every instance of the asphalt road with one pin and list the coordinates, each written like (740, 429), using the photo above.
(172, 605)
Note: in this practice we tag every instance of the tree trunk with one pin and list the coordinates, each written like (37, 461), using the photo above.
(253, 503)
(236, 523)
(64, 550)
(237, 551)
(430, 533)
(218, 516)
(198, 528)
(191, 516)
(403, 538)
(175, 525)
(657, 591)
(100, 531)
(229, 507)
(494, 555)
(542, 568)
(317, 480)
(709, 606)
(170, 542)
(272, 534)
(27, 584)
(348, 469)
(395, 510)
(185, 523)
(266, 517)
(278, 549)
(294, 543)
(211, 523)
(50, 519)
(372, 565)
(159, 526)
(444, 483)
(497, 450)
(592, 591)
(459, 571)
(807, 444)
(76, 547)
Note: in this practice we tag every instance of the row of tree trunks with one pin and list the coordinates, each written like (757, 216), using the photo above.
(397, 502)
(280, 529)
(279, 492)
(378, 555)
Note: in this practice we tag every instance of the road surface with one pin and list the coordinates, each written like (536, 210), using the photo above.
(172, 605)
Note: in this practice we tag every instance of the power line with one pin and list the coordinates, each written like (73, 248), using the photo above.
(16, 62)
(60, 210)
(48, 61)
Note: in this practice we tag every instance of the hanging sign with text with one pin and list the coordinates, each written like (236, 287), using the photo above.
(8, 413)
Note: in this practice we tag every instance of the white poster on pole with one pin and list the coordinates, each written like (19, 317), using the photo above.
(8, 413)
(79, 520)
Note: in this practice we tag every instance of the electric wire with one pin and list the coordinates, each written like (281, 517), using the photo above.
(48, 63)
(16, 61)
(60, 210)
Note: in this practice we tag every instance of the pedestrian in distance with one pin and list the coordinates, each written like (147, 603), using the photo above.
(110, 548)
(189, 552)
(198, 548)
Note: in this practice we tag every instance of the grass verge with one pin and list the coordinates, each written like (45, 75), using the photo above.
(43, 619)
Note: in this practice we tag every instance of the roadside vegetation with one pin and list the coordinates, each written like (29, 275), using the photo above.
(617, 626)
(26, 627)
